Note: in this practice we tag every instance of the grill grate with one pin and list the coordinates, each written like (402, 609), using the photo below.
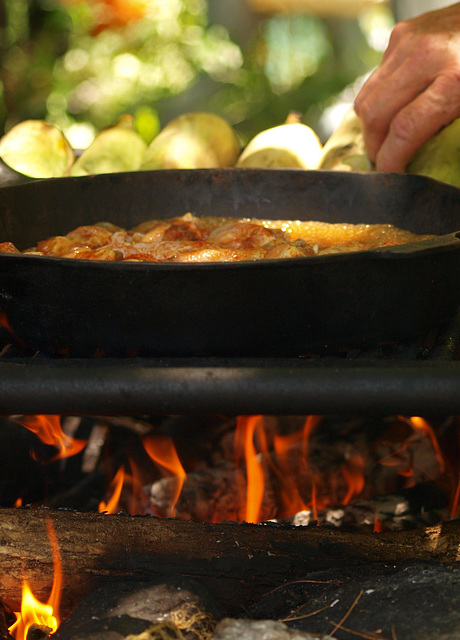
(418, 377)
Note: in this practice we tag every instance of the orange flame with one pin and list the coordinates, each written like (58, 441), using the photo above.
(116, 485)
(34, 612)
(136, 488)
(419, 423)
(455, 506)
(48, 429)
(402, 456)
(314, 503)
(352, 470)
(244, 439)
(378, 527)
(290, 490)
(4, 322)
(163, 452)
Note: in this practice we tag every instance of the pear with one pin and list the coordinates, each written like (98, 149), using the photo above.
(193, 140)
(291, 144)
(345, 149)
(116, 149)
(439, 158)
(37, 149)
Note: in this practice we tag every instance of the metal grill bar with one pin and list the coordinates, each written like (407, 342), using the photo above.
(72, 387)
(421, 377)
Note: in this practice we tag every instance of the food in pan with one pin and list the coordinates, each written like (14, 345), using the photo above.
(189, 238)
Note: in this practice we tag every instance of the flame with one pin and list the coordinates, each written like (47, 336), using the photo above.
(378, 526)
(290, 465)
(314, 504)
(290, 490)
(116, 485)
(402, 456)
(4, 322)
(352, 471)
(34, 612)
(136, 488)
(244, 440)
(163, 452)
(419, 423)
(48, 429)
(455, 506)
(310, 424)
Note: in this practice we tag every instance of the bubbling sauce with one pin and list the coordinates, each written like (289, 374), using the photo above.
(190, 238)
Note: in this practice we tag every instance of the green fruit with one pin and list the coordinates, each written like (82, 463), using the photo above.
(116, 149)
(37, 149)
(439, 158)
(291, 144)
(345, 149)
(194, 140)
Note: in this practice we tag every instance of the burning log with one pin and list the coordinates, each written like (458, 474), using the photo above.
(7, 618)
(241, 561)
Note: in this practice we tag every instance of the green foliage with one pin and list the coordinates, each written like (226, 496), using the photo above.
(81, 64)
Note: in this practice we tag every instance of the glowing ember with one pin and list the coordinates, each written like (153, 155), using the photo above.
(4, 321)
(34, 612)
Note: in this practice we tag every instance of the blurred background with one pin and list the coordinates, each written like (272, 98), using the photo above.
(80, 64)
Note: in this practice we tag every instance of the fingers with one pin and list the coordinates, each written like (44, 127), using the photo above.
(416, 89)
(406, 72)
(418, 122)
(379, 103)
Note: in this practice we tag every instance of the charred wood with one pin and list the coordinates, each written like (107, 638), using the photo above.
(7, 618)
(237, 561)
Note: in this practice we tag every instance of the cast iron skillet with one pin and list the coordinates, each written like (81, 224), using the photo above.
(267, 308)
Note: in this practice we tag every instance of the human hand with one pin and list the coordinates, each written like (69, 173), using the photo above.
(416, 89)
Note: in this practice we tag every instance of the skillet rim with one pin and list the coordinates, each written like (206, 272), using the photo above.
(448, 241)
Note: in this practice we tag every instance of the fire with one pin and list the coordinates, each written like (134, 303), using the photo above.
(422, 425)
(455, 506)
(48, 429)
(116, 486)
(353, 472)
(283, 445)
(163, 452)
(300, 485)
(244, 440)
(34, 612)
(378, 528)
(281, 467)
(4, 322)
(403, 458)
